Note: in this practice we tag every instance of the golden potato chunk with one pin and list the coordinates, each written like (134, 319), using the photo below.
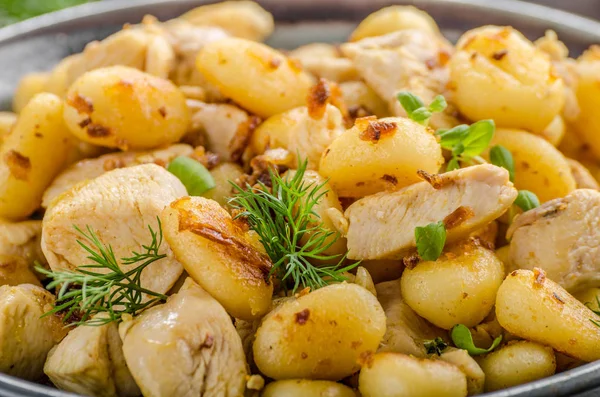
(121, 107)
(496, 73)
(320, 335)
(537, 309)
(255, 76)
(30, 85)
(377, 155)
(220, 255)
(306, 388)
(393, 18)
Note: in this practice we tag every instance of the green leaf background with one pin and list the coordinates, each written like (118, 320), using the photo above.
(12, 11)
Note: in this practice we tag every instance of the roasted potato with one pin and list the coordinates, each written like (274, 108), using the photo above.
(377, 155)
(306, 388)
(257, 77)
(121, 107)
(28, 166)
(30, 85)
(537, 309)
(320, 335)
(588, 99)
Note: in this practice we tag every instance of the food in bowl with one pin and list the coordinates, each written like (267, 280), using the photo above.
(188, 211)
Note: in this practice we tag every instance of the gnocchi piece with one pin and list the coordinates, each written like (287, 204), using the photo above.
(555, 131)
(59, 81)
(245, 19)
(377, 155)
(588, 97)
(458, 288)
(223, 174)
(30, 85)
(496, 73)
(535, 308)
(14, 270)
(539, 166)
(28, 167)
(122, 107)
(7, 122)
(306, 388)
(393, 18)
(220, 255)
(325, 61)
(257, 77)
(517, 363)
(320, 335)
(399, 375)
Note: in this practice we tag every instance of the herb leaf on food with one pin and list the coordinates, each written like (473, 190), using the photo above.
(462, 338)
(415, 108)
(502, 157)
(194, 176)
(430, 240)
(527, 200)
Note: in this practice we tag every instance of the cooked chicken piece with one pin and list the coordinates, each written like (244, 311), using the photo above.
(561, 236)
(185, 347)
(22, 239)
(26, 337)
(583, 177)
(406, 330)
(227, 128)
(408, 60)
(90, 361)
(468, 365)
(92, 168)
(14, 270)
(362, 101)
(326, 61)
(382, 225)
(118, 206)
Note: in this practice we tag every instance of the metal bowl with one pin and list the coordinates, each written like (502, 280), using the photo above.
(39, 43)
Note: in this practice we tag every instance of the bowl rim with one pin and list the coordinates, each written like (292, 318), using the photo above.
(580, 379)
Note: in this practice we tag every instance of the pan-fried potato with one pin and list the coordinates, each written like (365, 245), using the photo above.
(537, 309)
(588, 98)
(7, 122)
(29, 85)
(399, 375)
(245, 19)
(517, 363)
(539, 166)
(254, 75)
(377, 155)
(458, 288)
(320, 335)
(28, 165)
(496, 73)
(121, 107)
(393, 18)
(219, 255)
(306, 388)
(222, 175)
(59, 81)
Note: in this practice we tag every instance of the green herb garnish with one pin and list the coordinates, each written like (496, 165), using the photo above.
(502, 157)
(589, 304)
(194, 176)
(430, 240)
(435, 346)
(466, 142)
(526, 200)
(283, 216)
(462, 338)
(85, 293)
(416, 109)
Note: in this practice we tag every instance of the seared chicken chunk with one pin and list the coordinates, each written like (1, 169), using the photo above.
(406, 330)
(187, 347)
(118, 206)
(325, 61)
(22, 239)
(26, 337)
(382, 226)
(561, 236)
(92, 168)
(90, 361)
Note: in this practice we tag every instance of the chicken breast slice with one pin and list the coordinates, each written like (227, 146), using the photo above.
(410, 60)
(382, 226)
(22, 239)
(92, 168)
(562, 237)
(90, 361)
(406, 330)
(26, 337)
(185, 347)
(118, 206)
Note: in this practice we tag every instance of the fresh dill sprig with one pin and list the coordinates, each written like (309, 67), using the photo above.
(588, 304)
(291, 231)
(84, 293)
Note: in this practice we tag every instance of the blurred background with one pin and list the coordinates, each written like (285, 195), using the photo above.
(15, 10)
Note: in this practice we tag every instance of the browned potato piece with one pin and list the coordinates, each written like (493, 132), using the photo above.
(28, 166)
(255, 76)
(227, 261)
(306, 388)
(399, 375)
(320, 335)
(122, 107)
(377, 155)
(393, 18)
(30, 85)
(14, 270)
(537, 309)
